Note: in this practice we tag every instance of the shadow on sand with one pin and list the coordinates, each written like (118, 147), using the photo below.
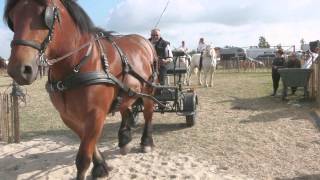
(304, 177)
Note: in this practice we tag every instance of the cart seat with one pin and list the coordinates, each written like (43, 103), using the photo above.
(177, 71)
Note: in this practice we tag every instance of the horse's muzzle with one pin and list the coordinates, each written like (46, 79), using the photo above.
(23, 74)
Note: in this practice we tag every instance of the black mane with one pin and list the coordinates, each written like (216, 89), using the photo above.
(79, 16)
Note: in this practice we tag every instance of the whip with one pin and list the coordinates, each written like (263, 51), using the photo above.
(165, 8)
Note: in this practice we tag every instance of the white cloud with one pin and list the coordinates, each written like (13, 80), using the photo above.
(238, 23)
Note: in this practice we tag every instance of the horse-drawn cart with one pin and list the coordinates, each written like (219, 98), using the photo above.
(295, 77)
(175, 98)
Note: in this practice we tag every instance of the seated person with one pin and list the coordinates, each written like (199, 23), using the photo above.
(164, 53)
(201, 47)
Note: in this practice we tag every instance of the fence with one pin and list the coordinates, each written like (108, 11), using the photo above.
(9, 116)
(235, 64)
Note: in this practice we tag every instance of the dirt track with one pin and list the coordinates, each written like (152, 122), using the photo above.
(240, 129)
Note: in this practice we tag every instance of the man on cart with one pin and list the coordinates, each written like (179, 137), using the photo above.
(164, 53)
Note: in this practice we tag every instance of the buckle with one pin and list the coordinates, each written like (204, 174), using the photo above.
(60, 86)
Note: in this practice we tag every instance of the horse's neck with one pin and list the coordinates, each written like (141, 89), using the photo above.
(72, 47)
(210, 59)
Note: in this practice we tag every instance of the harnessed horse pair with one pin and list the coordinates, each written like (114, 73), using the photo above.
(83, 81)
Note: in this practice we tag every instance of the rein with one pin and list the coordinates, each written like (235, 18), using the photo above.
(50, 62)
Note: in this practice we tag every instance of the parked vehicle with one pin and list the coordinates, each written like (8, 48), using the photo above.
(231, 53)
(255, 52)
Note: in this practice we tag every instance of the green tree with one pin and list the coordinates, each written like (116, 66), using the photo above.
(263, 42)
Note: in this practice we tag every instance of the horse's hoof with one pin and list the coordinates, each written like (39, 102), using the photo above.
(101, 170)
(146, 149)
(125, 149)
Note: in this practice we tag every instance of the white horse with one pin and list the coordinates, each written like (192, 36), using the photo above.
(209, 64)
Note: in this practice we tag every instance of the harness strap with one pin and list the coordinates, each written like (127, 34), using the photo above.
(90, 78)
(79, 79)
(104, 59)
(84, 60)
(127, 69)
(26, 43)
(126, 66)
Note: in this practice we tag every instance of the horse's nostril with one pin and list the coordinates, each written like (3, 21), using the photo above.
(27, 70)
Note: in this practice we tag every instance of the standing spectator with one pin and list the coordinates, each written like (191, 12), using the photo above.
(277, 63)
(293, 62)
(164, 53)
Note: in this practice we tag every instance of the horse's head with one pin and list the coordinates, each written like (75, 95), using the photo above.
(209, 51)
(32, 23)
(41, 28)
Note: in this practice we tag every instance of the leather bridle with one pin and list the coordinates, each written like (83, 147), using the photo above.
(51, 15)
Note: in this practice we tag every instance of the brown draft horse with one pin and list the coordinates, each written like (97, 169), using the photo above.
(59, 32)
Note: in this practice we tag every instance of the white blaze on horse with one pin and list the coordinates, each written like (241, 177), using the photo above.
(209, 64)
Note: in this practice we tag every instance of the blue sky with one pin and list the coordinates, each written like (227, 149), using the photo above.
(228, 22)
(97, 9)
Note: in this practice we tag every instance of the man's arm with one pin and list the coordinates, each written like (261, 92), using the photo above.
(168, 55)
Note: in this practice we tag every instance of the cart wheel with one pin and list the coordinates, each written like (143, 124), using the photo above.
(190, 105)
(191, 120)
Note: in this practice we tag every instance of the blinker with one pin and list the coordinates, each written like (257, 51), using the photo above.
(51, 13)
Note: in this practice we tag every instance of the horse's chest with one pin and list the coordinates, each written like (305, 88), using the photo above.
(58, 101)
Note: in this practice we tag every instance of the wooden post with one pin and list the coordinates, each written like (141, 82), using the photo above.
(238, 62)
(7, 117)
(16, 92)
(15, 119)
(1, 119)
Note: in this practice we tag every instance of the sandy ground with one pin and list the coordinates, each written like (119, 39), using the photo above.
(241, 133)
(52, 158)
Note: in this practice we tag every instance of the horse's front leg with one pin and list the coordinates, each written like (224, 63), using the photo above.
(185, 82)
(206, 78)
(146, 139)
(185, 78)
(211, 76)
(100, 167)
(199, 78)
(92, 129)
(189, 75)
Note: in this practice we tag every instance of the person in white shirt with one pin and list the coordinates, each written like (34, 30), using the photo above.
(183, 47)
(201, 47)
